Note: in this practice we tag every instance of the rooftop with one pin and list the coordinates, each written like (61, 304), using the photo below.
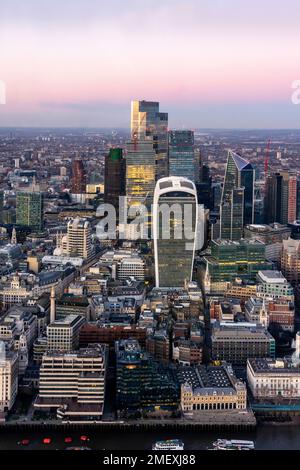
(274, 366)
(272, 276)
(67, 321)
(206, 379)
(240, 162)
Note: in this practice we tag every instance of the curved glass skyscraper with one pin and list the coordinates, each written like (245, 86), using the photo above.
(175, 225)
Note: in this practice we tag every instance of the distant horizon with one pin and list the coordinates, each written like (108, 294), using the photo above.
(173, 128)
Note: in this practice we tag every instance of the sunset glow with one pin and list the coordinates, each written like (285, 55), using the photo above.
(60, 65)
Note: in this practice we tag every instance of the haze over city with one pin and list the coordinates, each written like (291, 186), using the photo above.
(79, 63)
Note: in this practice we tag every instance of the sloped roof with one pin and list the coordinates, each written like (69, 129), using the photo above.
(240, 162)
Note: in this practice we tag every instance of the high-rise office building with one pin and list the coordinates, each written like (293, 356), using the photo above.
(78, 182)
(292, 199)
(236, 342)
(182, 160)
(271, 235)
(237, 207)
(115, 173)
(231, 223)
(204, 188)
(29, 210)
(148, 121)
(174, 231)
(140, 171)
(79, 238)
(274, 284)
(276, 198)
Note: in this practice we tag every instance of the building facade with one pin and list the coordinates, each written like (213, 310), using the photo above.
(175, 231)
(63, 334)
(148, 122)
(115, 177)
(211, 388)
(141, 385)
(182, 154)
(78, 181)
(29, 210)
(236, 342)
(79, 238)
(74, 383)
(140, 172)
(237, 202)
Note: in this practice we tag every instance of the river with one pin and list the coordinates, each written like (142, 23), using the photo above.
(267, 437)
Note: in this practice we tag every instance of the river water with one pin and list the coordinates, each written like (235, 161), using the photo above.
(267, 437)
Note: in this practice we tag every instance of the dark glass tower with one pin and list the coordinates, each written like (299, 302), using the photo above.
(78, 183)
(237, 202)
(115, 177)
(204, 188)
(29, 210)
(276, 198)
(182, 154)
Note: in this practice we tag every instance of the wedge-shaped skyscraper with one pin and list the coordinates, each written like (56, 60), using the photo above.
(237, 208)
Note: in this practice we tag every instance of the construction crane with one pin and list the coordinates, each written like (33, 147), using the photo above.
(267, 159)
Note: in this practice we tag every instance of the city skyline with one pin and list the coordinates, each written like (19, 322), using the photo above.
(81, 66)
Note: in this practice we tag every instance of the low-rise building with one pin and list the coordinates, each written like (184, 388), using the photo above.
(241, 290)
(233, 259)
(131, 267)
(273, 378)
(187, 352)
(271, 235)
(235, 342)
(158, 345)
(273, 283)
(74, 383)
(8, 379)
(213, 388)
(63, 335)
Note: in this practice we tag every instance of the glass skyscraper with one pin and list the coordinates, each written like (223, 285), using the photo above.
(237, 202)
(174, 231)
(140, 171)
(147, 121)
(29, 210)
(277, 197)
(182, 154)
(115, 172)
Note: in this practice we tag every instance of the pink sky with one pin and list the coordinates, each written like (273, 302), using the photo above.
(59, 61)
